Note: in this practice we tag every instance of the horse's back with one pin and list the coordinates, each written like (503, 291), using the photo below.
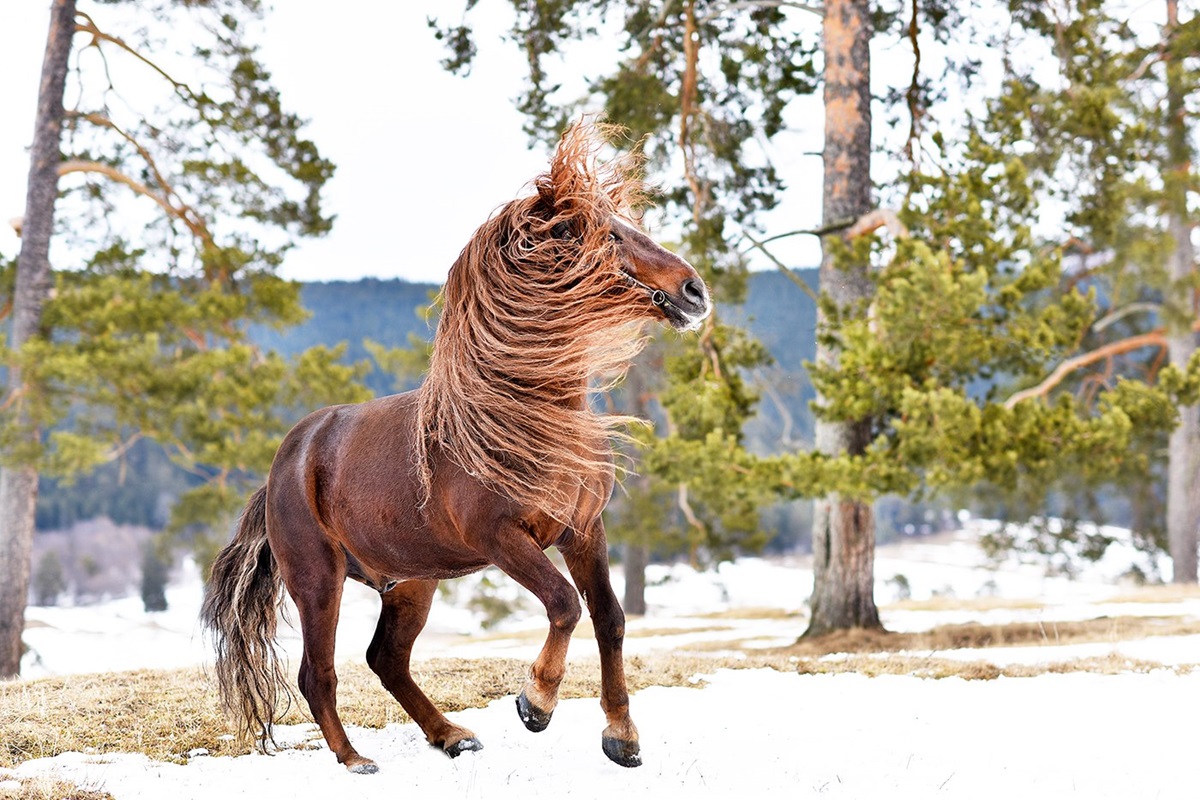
(351, 470)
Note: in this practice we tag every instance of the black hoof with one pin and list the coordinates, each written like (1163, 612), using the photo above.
(534, 718)
(368, 768)
(620, 752)
(463, 746)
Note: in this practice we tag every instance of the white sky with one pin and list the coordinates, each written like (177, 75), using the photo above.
(422, 156)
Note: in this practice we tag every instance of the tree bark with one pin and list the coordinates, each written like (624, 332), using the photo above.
(1183, 499)
(637, 556)
(844, 528)
(18, 484)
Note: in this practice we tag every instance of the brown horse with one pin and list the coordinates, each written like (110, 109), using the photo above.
(494, 459)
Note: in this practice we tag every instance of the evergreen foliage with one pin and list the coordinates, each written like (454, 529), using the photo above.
(978, 302)
(49, 579)
(154, 579)
(694, 85)
(176, 206)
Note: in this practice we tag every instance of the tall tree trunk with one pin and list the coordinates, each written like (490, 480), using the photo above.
(1183, 498)
(844, 529)
(637, 556)
(18, 484)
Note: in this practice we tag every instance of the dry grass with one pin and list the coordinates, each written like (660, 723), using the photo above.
(48, 789)
(754, 613)
(1165, 593)
(873, 665)
(976, 635)
(966, 604)
(166, 714)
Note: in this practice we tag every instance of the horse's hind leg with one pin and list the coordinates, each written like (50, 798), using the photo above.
(314, 573)
(405, 609)
(587, 559)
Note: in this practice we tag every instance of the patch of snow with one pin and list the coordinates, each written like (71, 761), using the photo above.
(737, 733)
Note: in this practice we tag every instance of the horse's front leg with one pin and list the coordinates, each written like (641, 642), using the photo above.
(519, 556)
(587, 559)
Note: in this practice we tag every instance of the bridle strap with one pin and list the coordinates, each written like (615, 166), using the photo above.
(657, 296)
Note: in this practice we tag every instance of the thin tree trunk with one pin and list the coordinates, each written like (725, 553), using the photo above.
(637, 556)
(843, 528)
(1183, 499)
(18, 484)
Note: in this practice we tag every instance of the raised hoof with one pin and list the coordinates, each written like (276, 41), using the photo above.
(364, 767)
(534, 718)
(463, 746)
(621, 752)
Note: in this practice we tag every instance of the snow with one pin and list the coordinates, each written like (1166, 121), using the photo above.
(753, 733)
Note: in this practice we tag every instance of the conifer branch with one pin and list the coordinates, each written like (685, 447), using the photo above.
(874, 220)
(688, 513)
(854, 227)
(913, 95)
(88, 25)
(101, 121)
(811, 8)
(184, 213)
(112, 173)
(1133, 308)
(793, 277)
(16, 394)
(1155, 338)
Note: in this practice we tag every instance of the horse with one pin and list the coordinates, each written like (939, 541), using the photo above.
(495, 458)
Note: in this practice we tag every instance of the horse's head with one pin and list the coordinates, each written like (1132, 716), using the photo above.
(584, 204)
(671, 285)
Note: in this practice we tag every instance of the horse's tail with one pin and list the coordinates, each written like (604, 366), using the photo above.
(240, 609)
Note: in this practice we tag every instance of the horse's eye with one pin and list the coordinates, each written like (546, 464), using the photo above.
(616, 237)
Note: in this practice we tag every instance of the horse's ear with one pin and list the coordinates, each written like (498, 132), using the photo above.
(546, 199)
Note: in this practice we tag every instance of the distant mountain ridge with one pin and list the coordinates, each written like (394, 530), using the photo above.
(777, 312)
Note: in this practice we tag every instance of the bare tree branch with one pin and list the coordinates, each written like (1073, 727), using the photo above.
(812, 8)
(88, 25)
(913, 95)
(874, 220)
(1155, 338)
(686, 507)
(1133, 308)
(182, 212)
(793, 277)
(860, 226)
(111, 172)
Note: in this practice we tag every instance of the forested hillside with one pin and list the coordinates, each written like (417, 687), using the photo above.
(139, 489)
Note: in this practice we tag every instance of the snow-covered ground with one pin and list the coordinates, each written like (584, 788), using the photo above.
(753, 733)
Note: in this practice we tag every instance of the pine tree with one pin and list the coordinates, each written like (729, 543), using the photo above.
(154, 579)
(1112, 146)
(181, 205)
(973, 318)
(49, 579)
(696, 84)
(844, 526)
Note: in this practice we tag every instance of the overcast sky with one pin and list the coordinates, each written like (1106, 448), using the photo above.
(423, 157)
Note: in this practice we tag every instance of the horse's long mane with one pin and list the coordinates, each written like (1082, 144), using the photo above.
(534, 309)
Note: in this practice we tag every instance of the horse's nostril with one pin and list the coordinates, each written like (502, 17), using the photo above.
(693, 290)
